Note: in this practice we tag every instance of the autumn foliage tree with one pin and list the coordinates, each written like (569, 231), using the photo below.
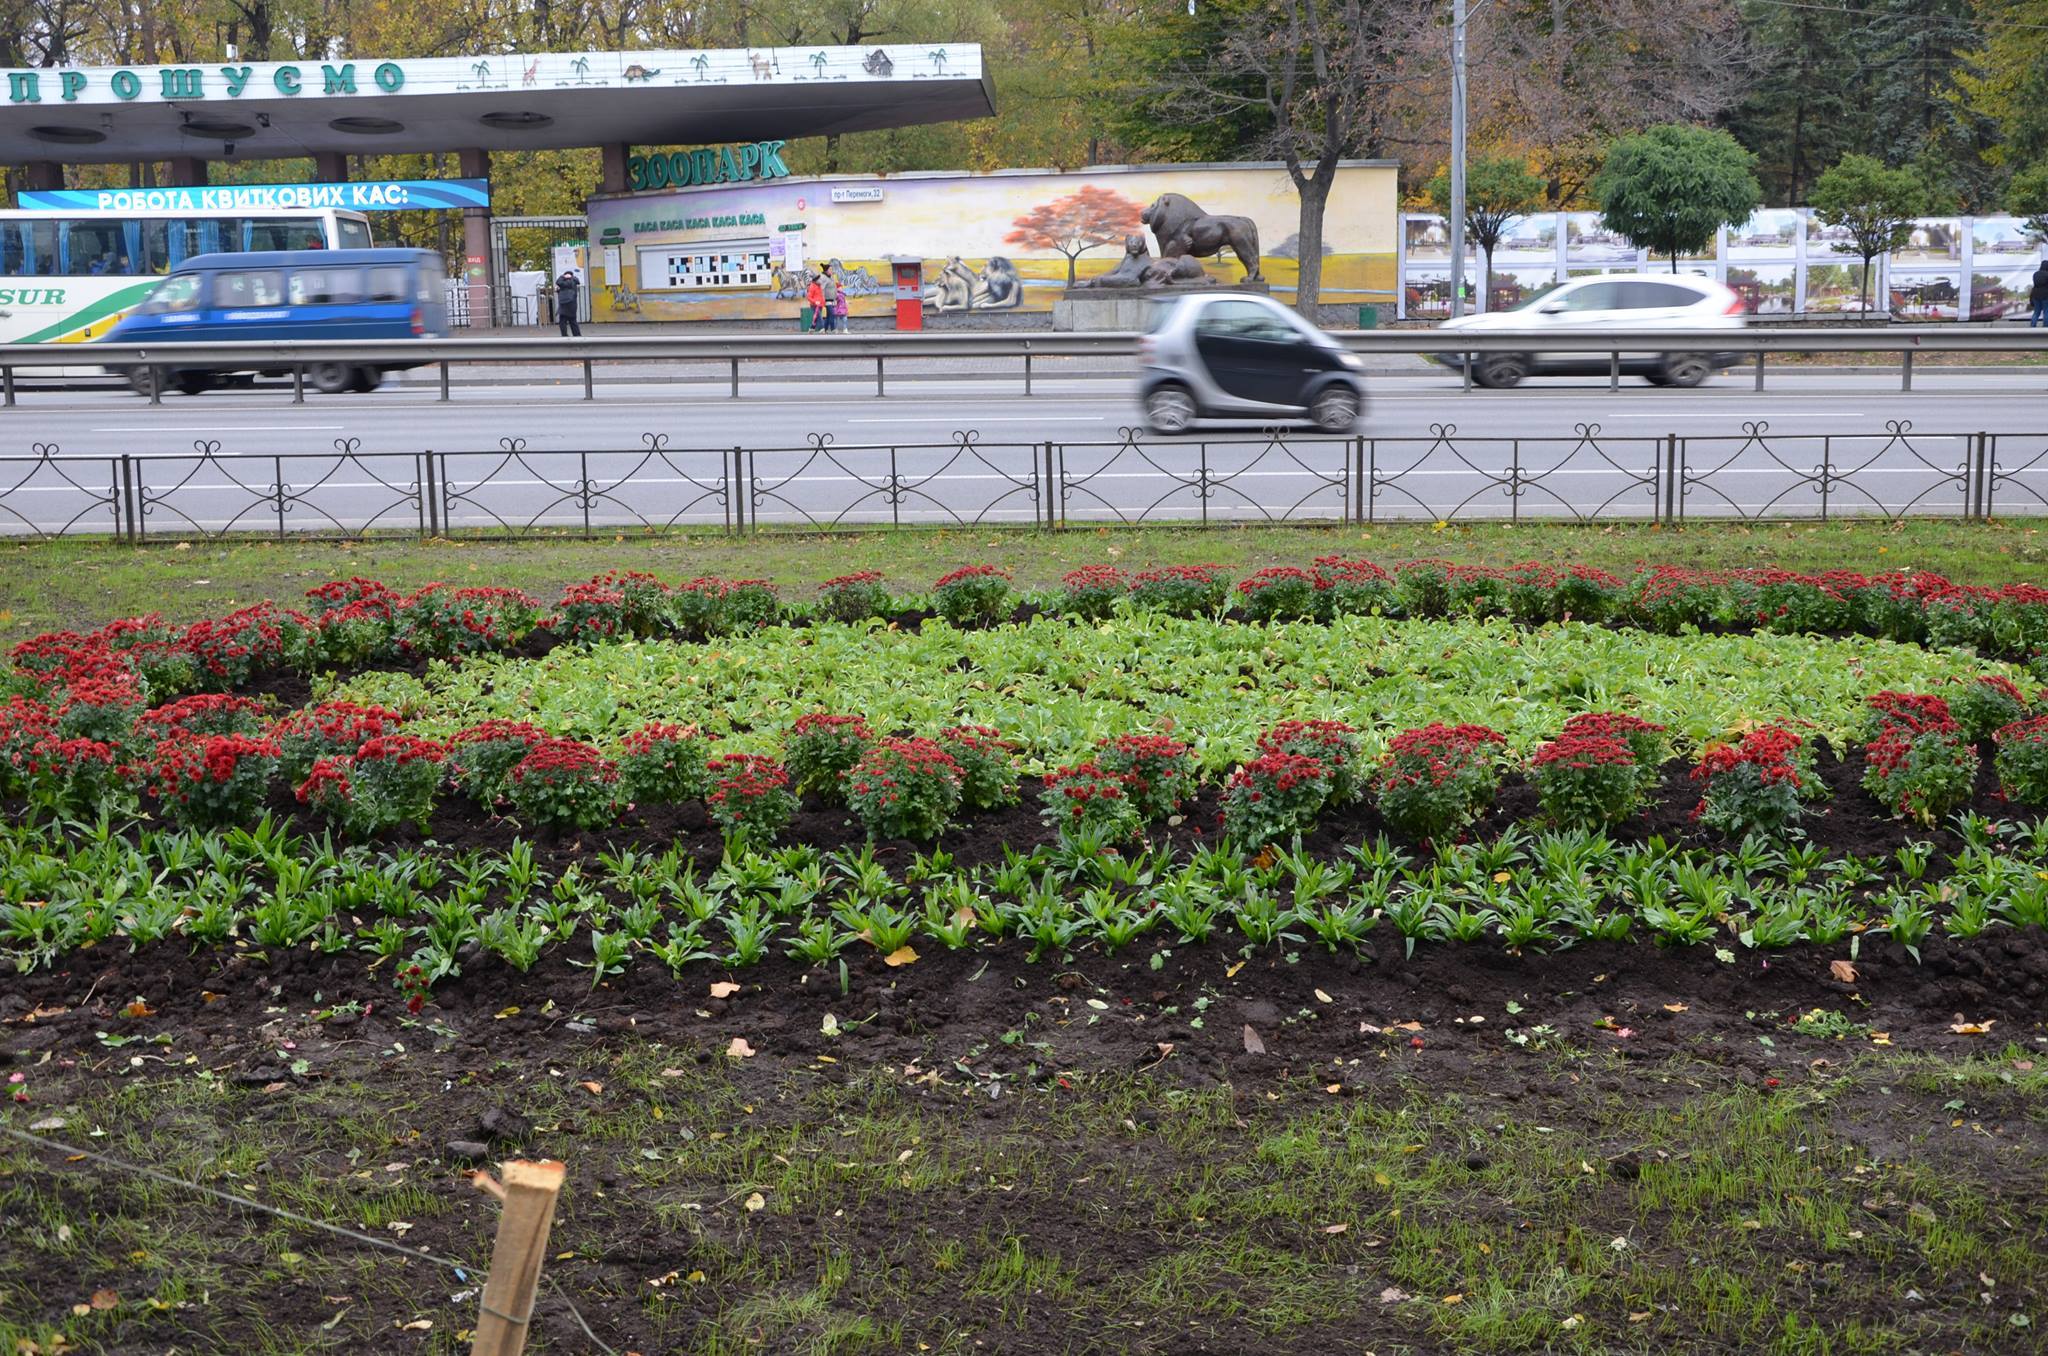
(1076, 223)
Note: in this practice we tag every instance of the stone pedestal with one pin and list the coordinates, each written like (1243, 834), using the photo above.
(1128, 308)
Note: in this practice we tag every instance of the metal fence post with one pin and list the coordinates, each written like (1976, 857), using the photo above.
(881, 387)
(1515, 480)
(298, 384)
(1987, 472)
(1906, 370)
(1358, 479)
(444, 379)
(7, 376)
(1759, 369)
(739, 484)
(1372, 456)
(277, 491)
(735, 378)
(583, 489)
(1671, 475)
(132, 472)
(1614, 370)
(1054, 480)
(588, 393)
(1827, 469)
(1027, 374)
(156, 385)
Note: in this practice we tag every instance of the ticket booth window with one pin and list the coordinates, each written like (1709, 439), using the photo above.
(705, 267)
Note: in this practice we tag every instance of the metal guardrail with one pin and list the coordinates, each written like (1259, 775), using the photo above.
(735, 349)
(513, 489)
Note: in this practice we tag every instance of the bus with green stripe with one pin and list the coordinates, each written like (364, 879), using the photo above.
(67, 277)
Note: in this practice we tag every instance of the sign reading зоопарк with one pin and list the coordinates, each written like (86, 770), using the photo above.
(370, 195)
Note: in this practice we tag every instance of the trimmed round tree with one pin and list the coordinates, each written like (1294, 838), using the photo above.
(1671, 188)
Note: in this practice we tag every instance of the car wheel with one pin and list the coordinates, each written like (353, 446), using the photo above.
(1656, 377)
(1335, 409)
(1499, 371)
(1170, 409)
(1685, 369)
(366, 379)
(193, 383)
(330, 378)
(145, 380)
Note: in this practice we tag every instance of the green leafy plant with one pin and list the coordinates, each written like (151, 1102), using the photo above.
(1587, 781)
(988, 765)
(1274, 795)
(1090, 797)
(821, 749)
(973, 595)
(1091, 592)
(1159, 771)
(853, 597)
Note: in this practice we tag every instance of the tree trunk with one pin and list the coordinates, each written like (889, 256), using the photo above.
(1486, 283)
(1314, 191)
(832, 153)
(1070, 266)
(1674, 261)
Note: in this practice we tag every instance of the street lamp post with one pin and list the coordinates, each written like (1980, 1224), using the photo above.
(1457, 157)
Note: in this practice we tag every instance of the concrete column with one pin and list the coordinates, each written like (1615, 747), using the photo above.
(44, 175)
(476, 241)
(613, 179)
(330, 167)
(187, 171)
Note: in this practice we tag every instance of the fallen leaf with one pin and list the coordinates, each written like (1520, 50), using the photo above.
(830, 1026)
(1675, 1007)
(902, 955)
(739, 1049)
(138, 1009)
(1963, 1028)
(1393, 1295)
(724, 988)
(417, 1325)
(1639, 1317)
(1322, 997)
(104, 1300)
(1335, 1228)
(1454, 1299)
(503, 1013)
(591, 1086)
(756, 1203)
(1230, 971)
(1252, 1044)
(671, 1073)
(1843, 971)
(1333, 1088)
(1381, 1179)
(1407, 1026)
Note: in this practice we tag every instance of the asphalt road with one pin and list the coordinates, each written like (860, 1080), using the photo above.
(897, 459)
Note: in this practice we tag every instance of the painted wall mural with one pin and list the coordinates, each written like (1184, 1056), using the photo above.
(1014, 240)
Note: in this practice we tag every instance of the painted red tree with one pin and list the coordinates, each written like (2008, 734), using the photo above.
(1076, 223)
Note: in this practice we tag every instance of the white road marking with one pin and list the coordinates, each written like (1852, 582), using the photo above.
(220, 428)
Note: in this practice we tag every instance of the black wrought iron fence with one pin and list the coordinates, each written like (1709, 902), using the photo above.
(515, 489)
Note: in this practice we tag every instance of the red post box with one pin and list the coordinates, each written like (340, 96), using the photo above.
(909, 278)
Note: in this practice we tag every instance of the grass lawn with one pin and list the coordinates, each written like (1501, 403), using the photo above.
(78, 583)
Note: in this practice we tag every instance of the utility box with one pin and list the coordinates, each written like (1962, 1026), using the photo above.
(909, 278)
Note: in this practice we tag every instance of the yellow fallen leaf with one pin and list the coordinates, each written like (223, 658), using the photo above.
(1335, 1228)
(1333, 1088)
(138, 1008)
(695, 1278)
(756, 1203)
(724, 988)
(1963, 1028)
(503, 1013)
(1230, 971)
(1843, 971)
(1381, 1179)
(902, 955)
(1502, 877)
(1675, 1007)
(739, 1049)
(591, 1086)
(1454, 1299)
(417, 1325)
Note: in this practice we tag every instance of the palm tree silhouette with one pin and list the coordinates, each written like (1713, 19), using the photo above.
(818, 60)
(938, 58)
(701, 62)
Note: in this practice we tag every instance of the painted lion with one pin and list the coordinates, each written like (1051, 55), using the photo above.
(1183, 228)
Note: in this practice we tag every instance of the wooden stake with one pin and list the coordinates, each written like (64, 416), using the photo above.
(528, 1194)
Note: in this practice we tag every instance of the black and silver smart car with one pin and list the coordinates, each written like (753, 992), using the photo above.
(1239, 355)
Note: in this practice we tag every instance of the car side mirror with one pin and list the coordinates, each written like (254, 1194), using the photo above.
(1550, 308)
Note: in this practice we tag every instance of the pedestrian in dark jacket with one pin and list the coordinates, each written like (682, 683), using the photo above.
(568, 293)
(2037, 299)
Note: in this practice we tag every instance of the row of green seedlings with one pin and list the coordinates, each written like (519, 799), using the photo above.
(425, 914)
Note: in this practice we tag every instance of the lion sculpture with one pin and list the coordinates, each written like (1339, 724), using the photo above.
(1130, 270)
(1184, 229)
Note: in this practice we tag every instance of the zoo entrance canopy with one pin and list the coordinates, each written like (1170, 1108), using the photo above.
(506, 102)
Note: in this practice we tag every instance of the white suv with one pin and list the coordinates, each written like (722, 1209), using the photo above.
(1611, 301)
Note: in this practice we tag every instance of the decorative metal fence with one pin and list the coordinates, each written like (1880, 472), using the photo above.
(515, 489)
